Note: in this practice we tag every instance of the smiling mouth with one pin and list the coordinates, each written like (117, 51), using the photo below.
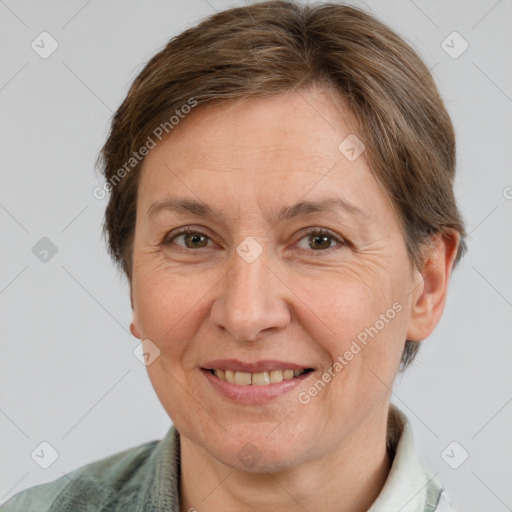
(257, 379)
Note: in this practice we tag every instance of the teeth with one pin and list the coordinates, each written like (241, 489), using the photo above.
(288, 374)
(242, 378)
(260, 379)
(275, 376)
(228, 374)
(256, 379)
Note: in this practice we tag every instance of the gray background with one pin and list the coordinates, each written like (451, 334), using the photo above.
(68, 373)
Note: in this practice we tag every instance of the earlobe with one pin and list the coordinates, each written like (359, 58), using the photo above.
(135, 330)
(430, 298)
(133, 325)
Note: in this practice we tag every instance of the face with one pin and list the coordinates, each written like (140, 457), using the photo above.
(257, 285)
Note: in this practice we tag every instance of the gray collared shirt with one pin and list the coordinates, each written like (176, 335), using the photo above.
(146, 479)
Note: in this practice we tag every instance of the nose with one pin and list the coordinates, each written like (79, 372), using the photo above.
(252, 300)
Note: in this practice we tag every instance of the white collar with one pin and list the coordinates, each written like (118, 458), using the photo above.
(410, 486)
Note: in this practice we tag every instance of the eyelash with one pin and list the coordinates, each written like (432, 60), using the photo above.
(310, 231)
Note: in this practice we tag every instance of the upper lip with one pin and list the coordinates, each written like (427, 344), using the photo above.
(256, 367)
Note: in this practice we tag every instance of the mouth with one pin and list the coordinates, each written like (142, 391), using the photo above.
(258, 378)
(254, 383)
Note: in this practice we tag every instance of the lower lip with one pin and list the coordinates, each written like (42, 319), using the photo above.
(251, 394)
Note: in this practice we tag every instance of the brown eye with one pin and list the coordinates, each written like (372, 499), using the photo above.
(319, 240)
(192, 239)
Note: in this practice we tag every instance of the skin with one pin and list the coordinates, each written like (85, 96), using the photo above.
(198, 300)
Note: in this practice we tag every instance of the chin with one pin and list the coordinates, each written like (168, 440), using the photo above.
(257, 459)
(257, 448)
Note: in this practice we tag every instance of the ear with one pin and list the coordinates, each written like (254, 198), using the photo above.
(429, 296)
(134, 325)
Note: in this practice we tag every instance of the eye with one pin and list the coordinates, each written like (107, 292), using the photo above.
(192, 237)
(319, 240)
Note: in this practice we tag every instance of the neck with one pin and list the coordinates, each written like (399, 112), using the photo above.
(349, 479)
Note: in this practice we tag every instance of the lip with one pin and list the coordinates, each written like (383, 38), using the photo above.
(259, 366)
(251, 394)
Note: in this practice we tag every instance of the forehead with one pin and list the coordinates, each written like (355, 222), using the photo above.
(283, 127)
(272, 149)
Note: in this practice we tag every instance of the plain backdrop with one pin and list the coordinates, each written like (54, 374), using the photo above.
(68, 373)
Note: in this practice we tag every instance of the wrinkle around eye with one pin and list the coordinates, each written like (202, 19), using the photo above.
(337, 242)
(160, 237)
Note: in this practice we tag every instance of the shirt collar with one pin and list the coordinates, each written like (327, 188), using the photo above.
(410, 487)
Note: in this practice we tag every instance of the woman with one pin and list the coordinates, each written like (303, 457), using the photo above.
(281, 202)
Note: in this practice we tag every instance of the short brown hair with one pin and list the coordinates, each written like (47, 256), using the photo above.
(274, 47)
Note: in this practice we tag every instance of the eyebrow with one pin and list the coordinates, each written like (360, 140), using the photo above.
(300, 209)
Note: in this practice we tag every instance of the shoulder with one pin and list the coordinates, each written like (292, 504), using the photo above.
(90, 487)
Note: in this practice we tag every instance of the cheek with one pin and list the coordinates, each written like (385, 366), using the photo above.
(348, 300)
(163, 306)
(172, 311)
(363, 319)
